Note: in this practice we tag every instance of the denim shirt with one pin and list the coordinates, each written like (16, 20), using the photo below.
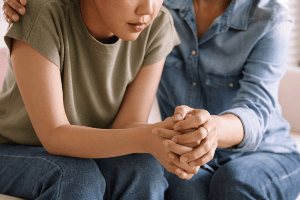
(234, 68)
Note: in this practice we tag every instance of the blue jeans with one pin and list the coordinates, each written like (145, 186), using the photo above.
(30, 172)
(241, 176)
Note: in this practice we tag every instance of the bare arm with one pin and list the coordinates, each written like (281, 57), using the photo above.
(140, 94)
(40, 85)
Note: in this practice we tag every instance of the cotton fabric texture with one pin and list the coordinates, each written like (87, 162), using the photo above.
(94, 75)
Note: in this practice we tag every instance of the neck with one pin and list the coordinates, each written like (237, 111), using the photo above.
(212, 4)
(93, 21)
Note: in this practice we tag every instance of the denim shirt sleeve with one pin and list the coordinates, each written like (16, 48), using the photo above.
(257, 98)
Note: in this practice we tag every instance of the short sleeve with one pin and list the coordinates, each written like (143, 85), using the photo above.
(40, 28)
(162, 38)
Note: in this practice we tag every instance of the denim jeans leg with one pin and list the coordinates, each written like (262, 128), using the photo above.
(133, 177)
(30, 172)
(258, 175)
(194, 189)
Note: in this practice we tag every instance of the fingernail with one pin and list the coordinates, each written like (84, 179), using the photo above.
(178, 117)
(171, 156)
(166, 143)
(155, 131)
(21, 10)
(177, 171)
(177, 127)
(192, 163)
(183, 159)
(174, 139)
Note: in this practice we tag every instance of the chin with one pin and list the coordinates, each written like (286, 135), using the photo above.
(130, 37)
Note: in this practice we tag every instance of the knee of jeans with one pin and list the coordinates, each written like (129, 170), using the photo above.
(74, 175)
(147, 165)
(233, 181)
(77, 169)
(134, 165)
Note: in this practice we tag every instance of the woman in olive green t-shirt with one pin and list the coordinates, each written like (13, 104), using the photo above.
(79, 68)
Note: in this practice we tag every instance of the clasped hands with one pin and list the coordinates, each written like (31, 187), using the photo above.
(192, 141)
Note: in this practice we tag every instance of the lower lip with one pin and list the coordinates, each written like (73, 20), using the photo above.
(138, 28)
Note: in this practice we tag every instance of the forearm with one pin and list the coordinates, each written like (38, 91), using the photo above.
(85, 142)
(230, 130)
(130, 125)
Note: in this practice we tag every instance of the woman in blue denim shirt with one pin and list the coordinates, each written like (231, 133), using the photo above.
(226, 73)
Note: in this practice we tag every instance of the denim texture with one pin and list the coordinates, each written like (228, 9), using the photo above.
(234, 68)
(241, 176)
(30, 172)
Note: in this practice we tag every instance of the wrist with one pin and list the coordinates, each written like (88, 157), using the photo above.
(229, 129)
(147, 140)
(143, 138)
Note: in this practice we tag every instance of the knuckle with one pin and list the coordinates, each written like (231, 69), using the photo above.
(196, 143)
(179, 109)
(199, 119)
(205, 112)
(200, 134)
(214, 125)
(206, 147)
(193, 156)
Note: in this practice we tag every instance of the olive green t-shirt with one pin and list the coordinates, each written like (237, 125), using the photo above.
(94, 75)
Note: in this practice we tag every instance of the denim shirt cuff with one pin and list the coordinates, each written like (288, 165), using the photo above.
(249, 120)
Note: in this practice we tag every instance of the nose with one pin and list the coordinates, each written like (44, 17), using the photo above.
(145, 7)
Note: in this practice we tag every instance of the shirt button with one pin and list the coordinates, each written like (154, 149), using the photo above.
(194, 52)
(182, 11)
(194, 83)
(192, 19)
(231, 85)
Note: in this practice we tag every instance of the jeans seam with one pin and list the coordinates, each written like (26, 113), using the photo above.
(59, 181)
(41, 159)
(279, 179)
(115, 190)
